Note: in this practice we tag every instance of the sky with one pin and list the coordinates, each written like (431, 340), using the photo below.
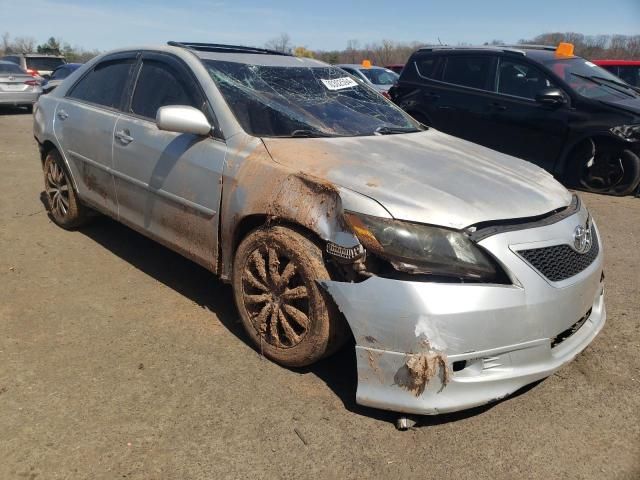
(318, 25)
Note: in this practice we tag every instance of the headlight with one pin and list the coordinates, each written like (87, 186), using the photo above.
(627, 132)
(418, 248)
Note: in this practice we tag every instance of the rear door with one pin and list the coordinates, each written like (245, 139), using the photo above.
(168, 184)
(84, 123)
(466, 83)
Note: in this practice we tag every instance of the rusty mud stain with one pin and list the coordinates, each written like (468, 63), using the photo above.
(94, 184)
(370, 339)
(373, 359)
(420, 368)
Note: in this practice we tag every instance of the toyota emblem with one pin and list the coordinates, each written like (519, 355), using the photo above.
(582, 240)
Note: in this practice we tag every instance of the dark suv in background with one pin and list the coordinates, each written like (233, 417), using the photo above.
(543, 104)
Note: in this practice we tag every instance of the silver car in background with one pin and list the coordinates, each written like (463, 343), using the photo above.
(379, 78)
(38, 65)
(17, 87)
(462, 274)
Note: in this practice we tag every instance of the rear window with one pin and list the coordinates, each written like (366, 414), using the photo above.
(469, 71)
(105, 84)
(11, 68)
(44, 63)
(380, 76)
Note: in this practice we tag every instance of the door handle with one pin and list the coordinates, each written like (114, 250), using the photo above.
(62, 115)
(498, 106)
(124, 137)
(433, 96)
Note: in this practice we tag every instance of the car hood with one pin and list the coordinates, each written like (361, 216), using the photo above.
(628, 104)
(427, 177)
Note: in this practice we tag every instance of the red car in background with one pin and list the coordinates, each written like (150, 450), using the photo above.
(627, 70)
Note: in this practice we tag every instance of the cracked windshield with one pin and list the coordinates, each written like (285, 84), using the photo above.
(271, 101)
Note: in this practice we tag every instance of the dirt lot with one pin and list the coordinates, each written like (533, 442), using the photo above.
(121, 359)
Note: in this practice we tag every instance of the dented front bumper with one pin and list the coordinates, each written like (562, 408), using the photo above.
(494, 339)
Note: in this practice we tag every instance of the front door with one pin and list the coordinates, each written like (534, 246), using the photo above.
(168, 184)
(524, 127)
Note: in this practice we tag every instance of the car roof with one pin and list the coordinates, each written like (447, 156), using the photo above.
(359, 66)
(38, 55)
(617, 62)
(538, 53)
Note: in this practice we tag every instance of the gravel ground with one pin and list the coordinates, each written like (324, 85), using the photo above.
(121, 359)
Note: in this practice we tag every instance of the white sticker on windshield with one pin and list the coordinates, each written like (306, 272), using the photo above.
(339, 83)
(589, 64)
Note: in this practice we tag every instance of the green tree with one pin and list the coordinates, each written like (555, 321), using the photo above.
(51, 47)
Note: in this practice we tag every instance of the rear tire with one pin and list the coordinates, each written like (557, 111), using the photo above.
(286, 314)
(62, 202)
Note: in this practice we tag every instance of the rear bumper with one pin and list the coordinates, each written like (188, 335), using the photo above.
(19, 98)
(498, 337)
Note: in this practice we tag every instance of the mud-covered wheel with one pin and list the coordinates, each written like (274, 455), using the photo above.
(287, 315)
(608, 170)
(62, 202)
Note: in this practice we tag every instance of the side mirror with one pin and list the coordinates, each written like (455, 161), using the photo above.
(182, 119)
(551, 96)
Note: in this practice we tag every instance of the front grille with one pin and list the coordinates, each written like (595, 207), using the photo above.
(560, 262)
(562, 336)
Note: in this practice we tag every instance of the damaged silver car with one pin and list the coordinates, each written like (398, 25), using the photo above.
(462, 274)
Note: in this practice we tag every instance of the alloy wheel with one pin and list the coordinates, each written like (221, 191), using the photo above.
(57, 190)
(276, 297)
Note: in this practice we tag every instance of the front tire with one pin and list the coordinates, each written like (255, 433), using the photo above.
(62, 201)
(286, 314)
(610, 170)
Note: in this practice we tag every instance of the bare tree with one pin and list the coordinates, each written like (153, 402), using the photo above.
(24, 44)
(281, 43)
(351, 52)
(6, 43)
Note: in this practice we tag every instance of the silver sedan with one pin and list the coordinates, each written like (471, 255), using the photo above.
(462, 274)
(17, 87)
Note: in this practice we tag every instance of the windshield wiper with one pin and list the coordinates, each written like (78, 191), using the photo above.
(600, 81)
(387, 130)
(309, 133)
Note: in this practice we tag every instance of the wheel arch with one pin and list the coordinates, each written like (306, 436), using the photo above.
(599, 139)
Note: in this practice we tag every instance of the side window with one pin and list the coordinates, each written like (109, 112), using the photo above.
(521, 79)
(469, 71)
(160, 85)
(105, 84)
(426, 66)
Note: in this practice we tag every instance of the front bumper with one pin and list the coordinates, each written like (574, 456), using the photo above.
(498, 337)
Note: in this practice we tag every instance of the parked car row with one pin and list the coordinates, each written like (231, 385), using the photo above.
(461, 273)
(23, 78)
